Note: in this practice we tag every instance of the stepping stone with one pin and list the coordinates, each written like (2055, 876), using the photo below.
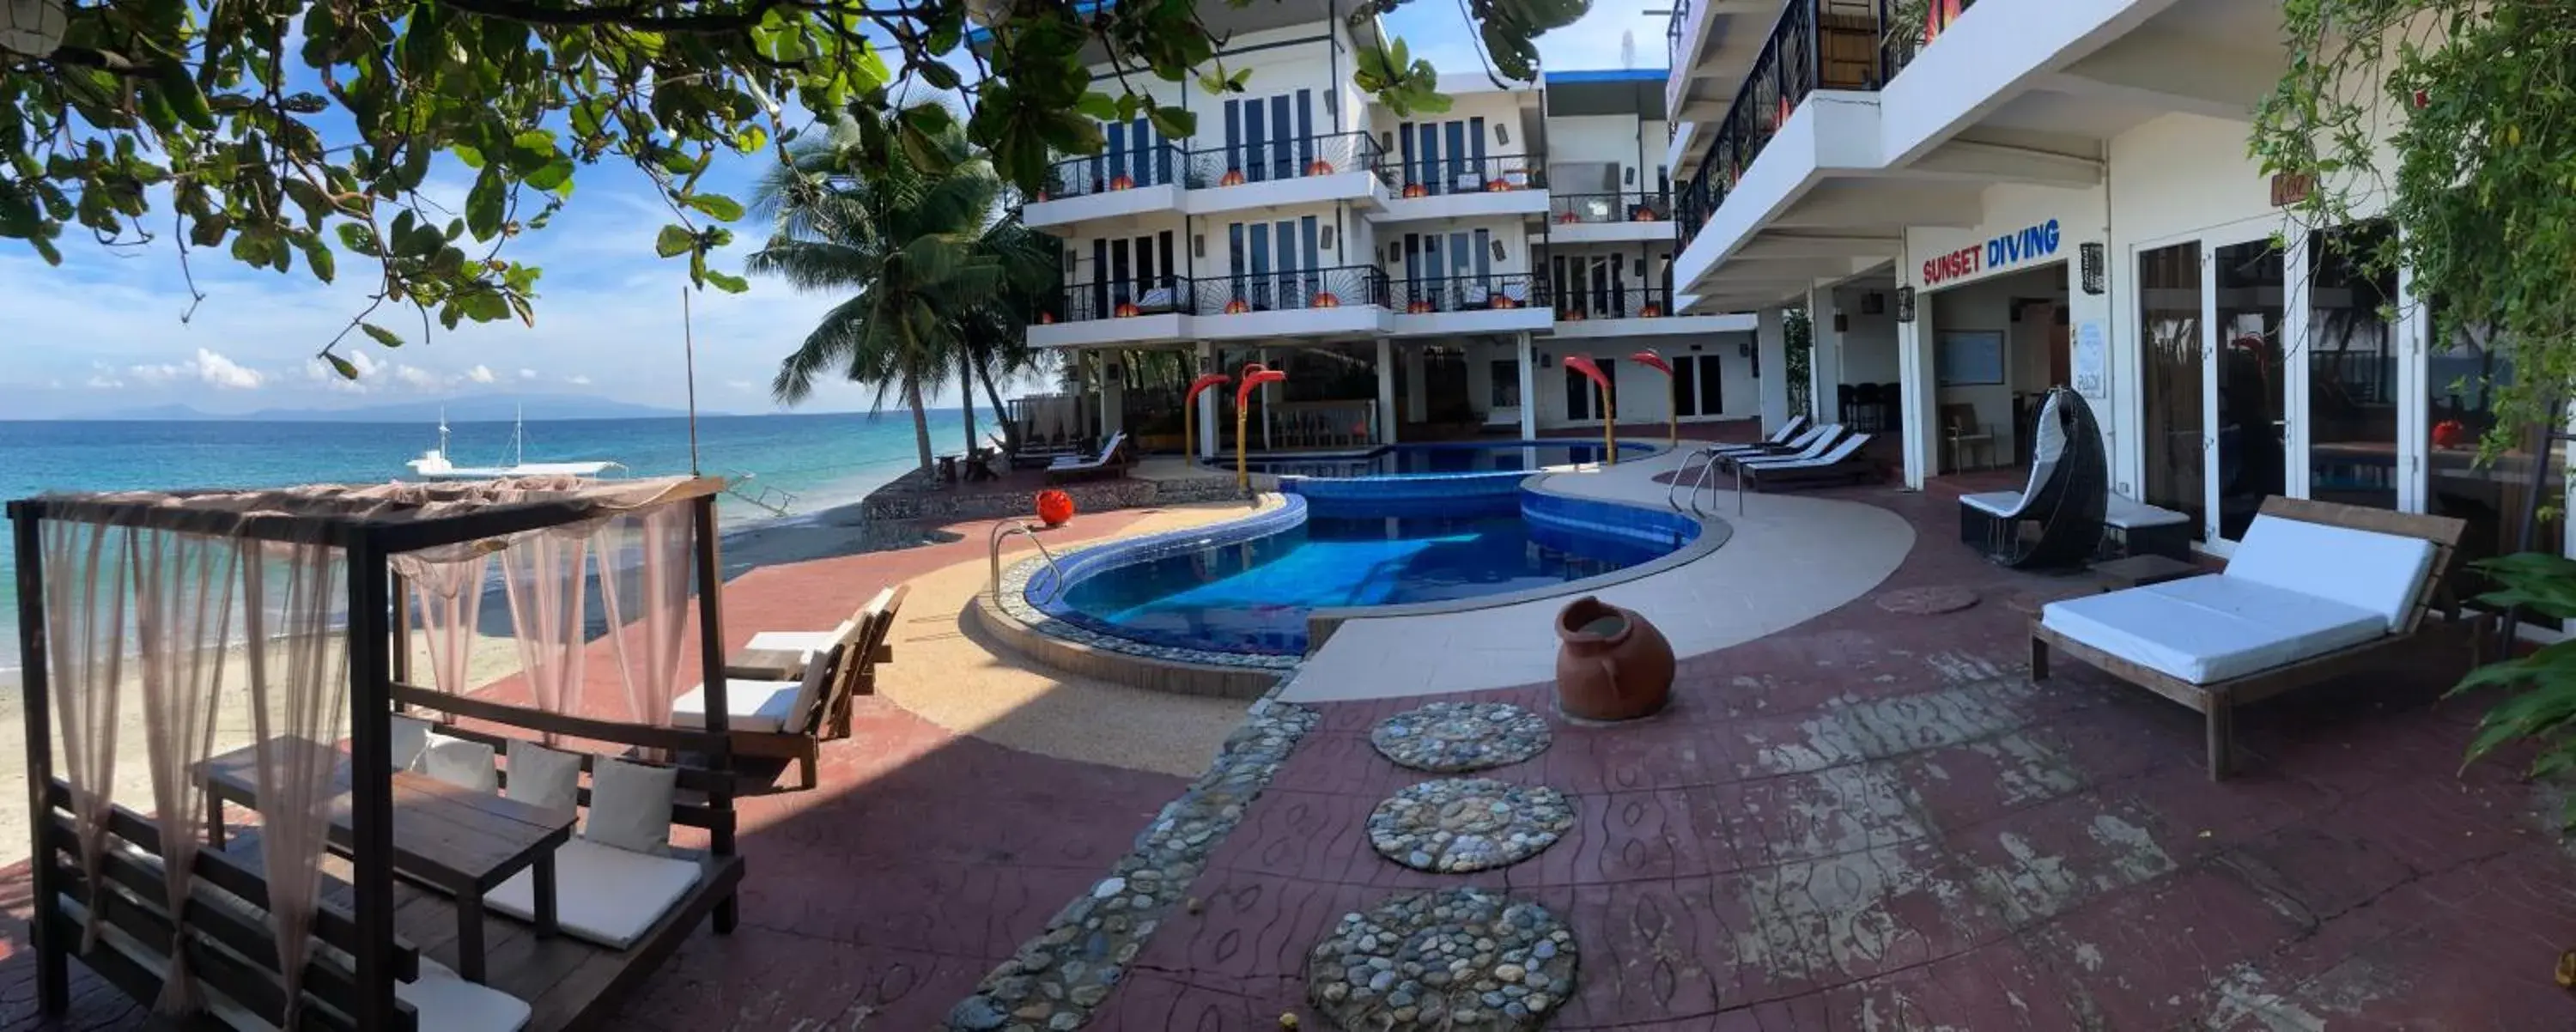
(1457, 825)
(1456, 959)
(1455, 737)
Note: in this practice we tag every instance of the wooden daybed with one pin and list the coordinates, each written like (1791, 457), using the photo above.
(2316, 591)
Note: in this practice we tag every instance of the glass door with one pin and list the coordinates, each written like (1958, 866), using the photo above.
(2253, 416)
(2354, 372)
(2172, 373)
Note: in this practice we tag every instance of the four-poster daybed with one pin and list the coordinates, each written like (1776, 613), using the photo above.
(265, 932)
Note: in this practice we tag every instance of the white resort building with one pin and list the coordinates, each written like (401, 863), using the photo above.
(1414, 276)
(1984, 200)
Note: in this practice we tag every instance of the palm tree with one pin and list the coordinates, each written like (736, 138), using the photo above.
(902, 231)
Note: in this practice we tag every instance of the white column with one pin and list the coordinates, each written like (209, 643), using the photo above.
(1386, 391)
(1918, 417)
(1527, 369)
(1771, 352)
(1113, 392)
(1825, 360)
(1207, 414)
(1263, 356)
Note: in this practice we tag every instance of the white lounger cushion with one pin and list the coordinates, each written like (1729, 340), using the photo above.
(2129, 514)
(771, 706)
(1993, 503)
(797, 641)
(1841, 450)
(2377, 572)
(603, 894)
(446, 1000)
(2212, 628)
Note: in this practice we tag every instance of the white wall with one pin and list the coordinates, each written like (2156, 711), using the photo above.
(1869, 341)
(1516, 248)
(1592, 139)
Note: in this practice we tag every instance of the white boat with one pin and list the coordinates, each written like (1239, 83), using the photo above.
(434, 464)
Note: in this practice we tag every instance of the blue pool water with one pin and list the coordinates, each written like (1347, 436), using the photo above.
(1254, 597)
(1398, 460)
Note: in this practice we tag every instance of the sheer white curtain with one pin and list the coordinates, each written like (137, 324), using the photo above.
(85, 601)
(649, 584)
(544, 574)
(447, 595)
(183, 609)
(299, 686)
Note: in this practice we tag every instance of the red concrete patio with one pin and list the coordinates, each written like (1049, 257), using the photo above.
(1870, 821)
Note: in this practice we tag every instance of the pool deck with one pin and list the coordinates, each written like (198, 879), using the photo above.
(1790, 558)
(1867, 819)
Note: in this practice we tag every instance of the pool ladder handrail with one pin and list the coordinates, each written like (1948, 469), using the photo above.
(1709, 456)
(1005, 529)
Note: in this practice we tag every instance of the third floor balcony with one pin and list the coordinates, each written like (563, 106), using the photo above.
(1240, 175)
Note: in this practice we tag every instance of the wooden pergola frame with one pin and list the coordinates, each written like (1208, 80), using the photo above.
(369, 532)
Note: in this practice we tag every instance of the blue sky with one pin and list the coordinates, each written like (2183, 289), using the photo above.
(103, 331)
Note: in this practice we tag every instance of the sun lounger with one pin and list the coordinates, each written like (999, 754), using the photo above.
(1111, 460)
(2315, 591)
(1819, 436)
(789, 719)
(1841, 464)
(1812, 444)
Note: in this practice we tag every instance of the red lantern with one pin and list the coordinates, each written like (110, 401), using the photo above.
(1122, 183)
(1642, 214)
(1651, 312)
(1054, 507)
(1232, 177)
(1046, 318)
(1416, 190)
(1497, 186)
(1319, 167)
(1325, 300)
(1567, 218)
(1127, 310)
(1236, 307)
(2450, 433)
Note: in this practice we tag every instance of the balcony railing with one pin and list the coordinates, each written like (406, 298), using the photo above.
(1156, 165)
(1626, 206)
(1081, 302)
(1291, 290)
(1288, 158)
(1434, 177)
(1817, 44)
(1491, 292)
(1575, 303)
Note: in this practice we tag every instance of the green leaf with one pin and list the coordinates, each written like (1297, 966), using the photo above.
(358, 238)
(483, 204)
(728, 283)
(938, 75)
(382, 336)
(348, 370)
(717, 206)
(1097, 105)
(674, 241)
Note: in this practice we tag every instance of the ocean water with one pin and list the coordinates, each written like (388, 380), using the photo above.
(824, 460)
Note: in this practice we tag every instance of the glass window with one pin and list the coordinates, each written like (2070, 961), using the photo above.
(2464, 377)
(2352, 368)
(2169, 326)
(1712, 395)
(2253, 460)
(1506, 390)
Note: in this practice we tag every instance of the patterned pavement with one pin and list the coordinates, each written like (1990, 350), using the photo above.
(1868, 821)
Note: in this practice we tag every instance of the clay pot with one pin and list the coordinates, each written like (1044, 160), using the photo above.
(1611, 663)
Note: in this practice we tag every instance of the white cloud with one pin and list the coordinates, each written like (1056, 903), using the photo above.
(578, 380)
(420, 379)
(742, 385)
(527, 374)
(481, 374)
(209, 368)
(104, 380)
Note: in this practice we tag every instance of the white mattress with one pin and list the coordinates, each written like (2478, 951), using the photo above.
(2378, 572)
(794, 641)
(1993, 503)
(2129, 514)
(749, 706)
(602, 893)
(2212, 628)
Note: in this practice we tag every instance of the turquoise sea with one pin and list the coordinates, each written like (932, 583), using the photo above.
(824, 460)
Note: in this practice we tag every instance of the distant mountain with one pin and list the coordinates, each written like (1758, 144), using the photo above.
(475, 409)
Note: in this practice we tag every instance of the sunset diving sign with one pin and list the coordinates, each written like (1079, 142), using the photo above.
(2010, 249)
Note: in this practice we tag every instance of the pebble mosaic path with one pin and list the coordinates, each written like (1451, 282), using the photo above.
(1456, 825)
(1455, 737)
(1464, 958)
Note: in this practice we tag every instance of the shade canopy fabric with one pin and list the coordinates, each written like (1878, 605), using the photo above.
(405, 516)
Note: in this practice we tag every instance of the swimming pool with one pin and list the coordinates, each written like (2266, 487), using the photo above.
(1449, 459)
(1252, 595)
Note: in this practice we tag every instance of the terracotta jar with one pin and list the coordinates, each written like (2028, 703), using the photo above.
(1611, 663)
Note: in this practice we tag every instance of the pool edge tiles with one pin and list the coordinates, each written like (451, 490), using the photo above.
(1056, 620)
